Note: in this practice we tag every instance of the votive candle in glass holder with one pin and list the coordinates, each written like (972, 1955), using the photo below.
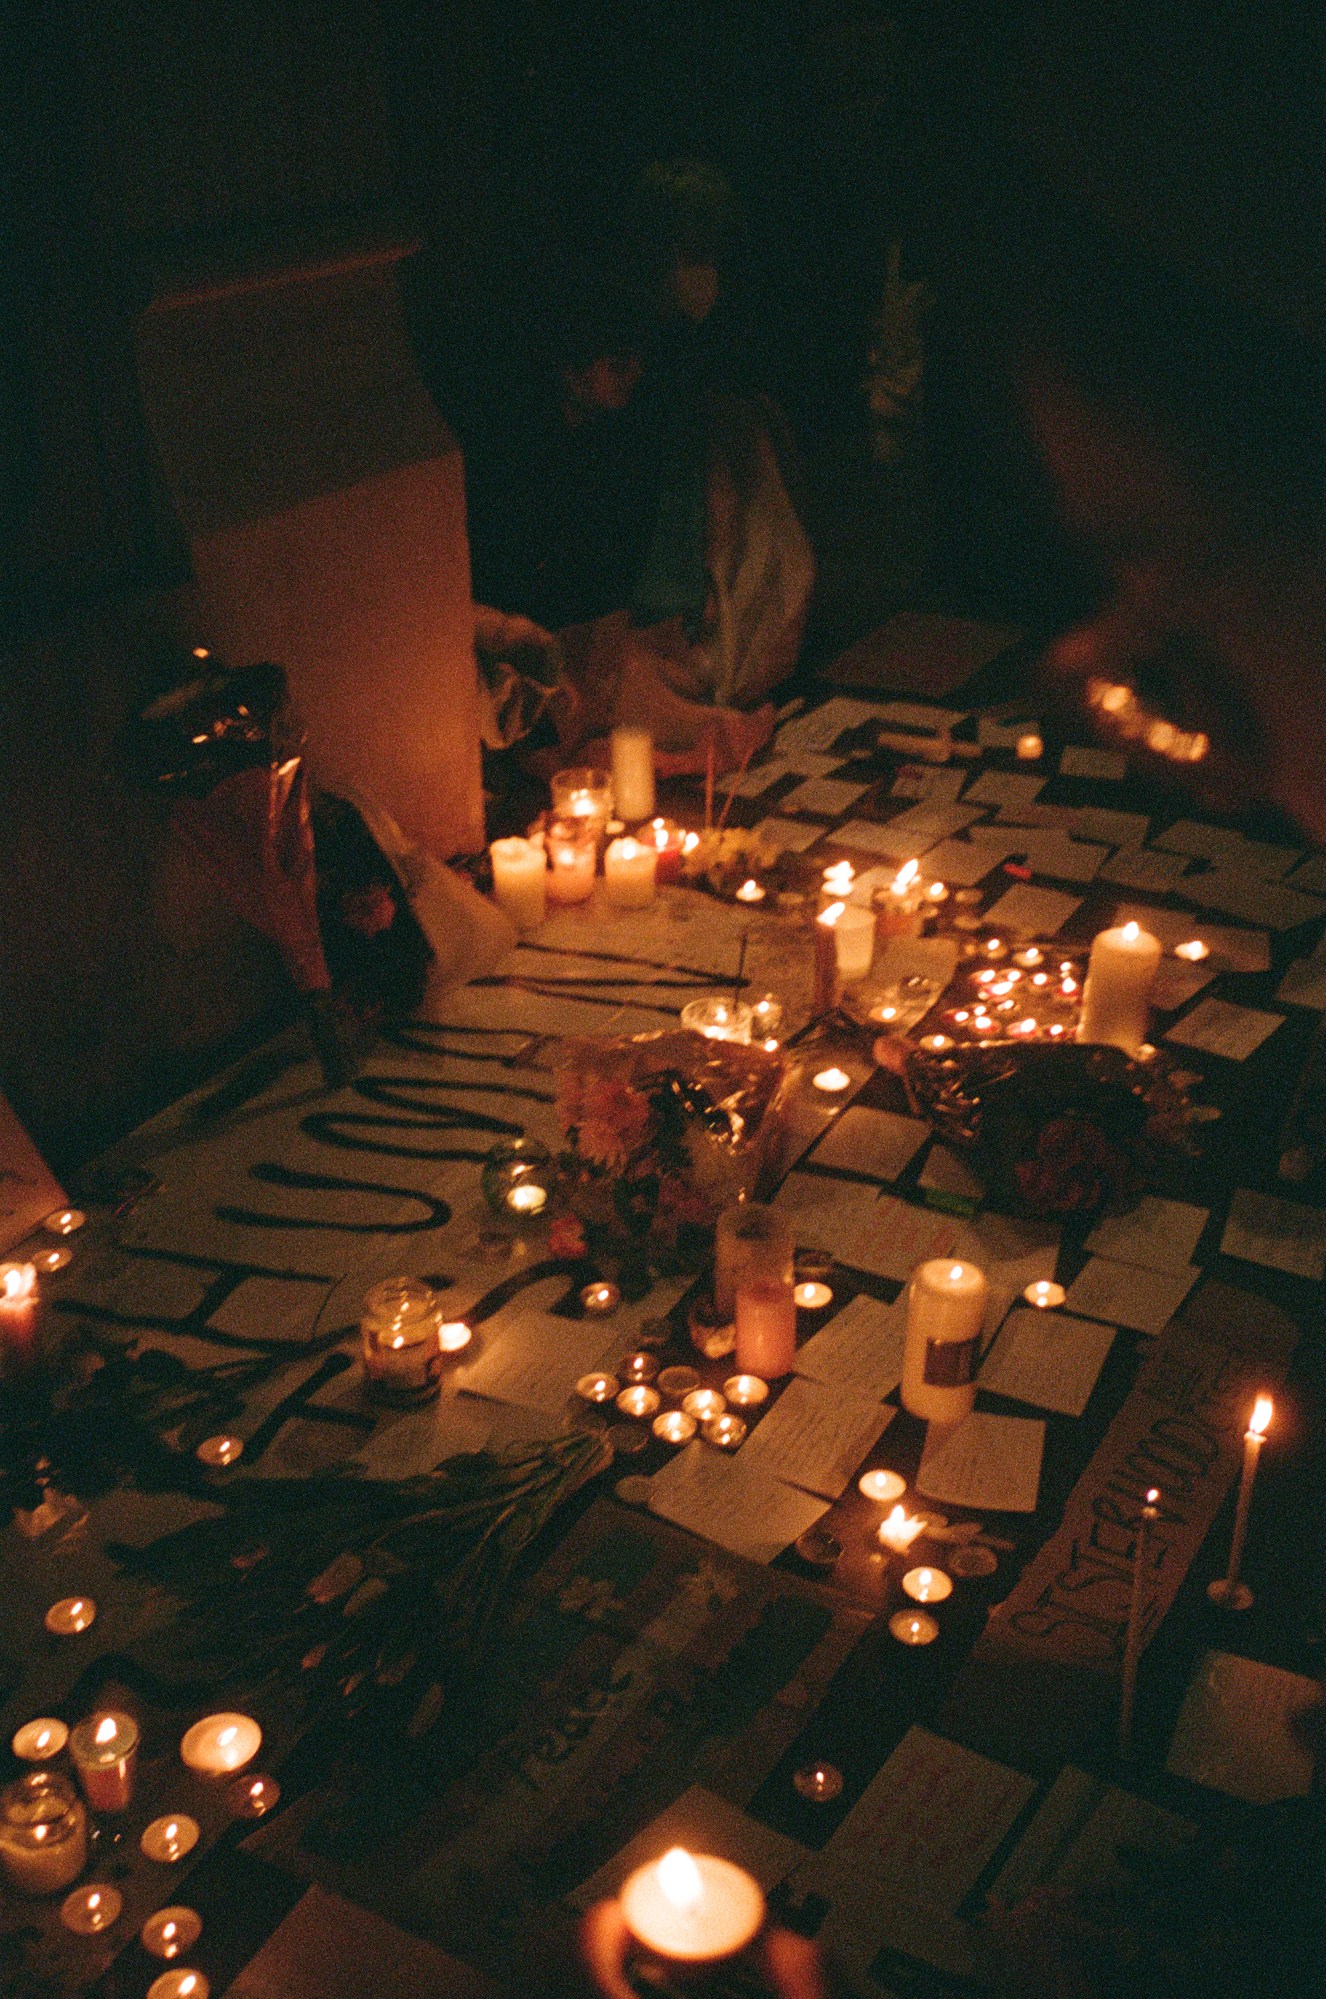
(168, 1933)
(719, 1019)
(766, 1319)
(746, 1391)
(639, 1401)
(583, 792)
(520, 881)
(43, 1833)
(629, 867)
(669, 845)
(398, 1334)
(900, 906)
(517, 1179)
(104, 1752)
(573, 858)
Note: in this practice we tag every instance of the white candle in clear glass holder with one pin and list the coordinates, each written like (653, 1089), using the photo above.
(854, 942)
(573, 856)
(43, 1833)
(719, 1019)
(629, 867)
(104, 1750)
(750, 1239)
(520, 881)
(633, 773)
(766, 1326)
(945, 1316)
(1116, 998)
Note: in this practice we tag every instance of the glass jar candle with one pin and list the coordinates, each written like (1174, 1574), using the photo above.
(750, 1240)
(584, 793)
(517, 1179)
(719, 1019)
(104, 1752)
(399, 1337)
(573, 853)
(43, 1833)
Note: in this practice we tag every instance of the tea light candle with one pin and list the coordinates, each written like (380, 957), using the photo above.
(704, 1403)
(170, 1932)
(629, 867)
(38, 1741)
(43, 1833)
(766, 1322)
(719, 1019)
(53, 1259)
(899, 908)
(882, 1485)
(819, 1783)
(1030, 958)
(633, 772)
(520, 881)
(1045, 1293)
(813, 1296)
(913, 1627)
(832, 1081)
(597, 1387)
(854, 942)
(1030, 747)
(641, 1366)
(745, 1391)
(526, 1198)
(91, 1909)
(936, 1044)
(1116, 998)
(694, 1908)
(897, 1531)
(573, 856)
(725, 1432)
(104, 1749)
(674, 1426)
(945, 1317)
(453, 1336)
(639, 1401)
(1194, 951)
(179, 1985)
(220, 1744)
(750, 891)
(219, 1451)
(169, 1838)
(65, 1221)
(600, 1298)
(927, 1585)
(254, 1797)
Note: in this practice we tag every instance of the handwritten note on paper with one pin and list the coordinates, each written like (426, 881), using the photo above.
(826, 797)
(748, 1513)
(820, 729)
(786, 836)
(992, 1463)
(1048, 1359)
(815, 1437)
(886, 1236)
(1032, 911)
(1125, 1294)
(1104, 765)
(1054, 853)
(1005, 787)
(702, 1822)
(859, 1351)
(1241, 1729)
(1219, 1027)
(1144, 868)
(1159, 1234)
(533, 1359)
(880, 1143)
(750, 783)
(962, 863)
(1282, 1235)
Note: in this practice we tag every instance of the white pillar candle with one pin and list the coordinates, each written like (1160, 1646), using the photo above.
(854, 942)
(633, 773)
(692, 1907)
(766, 1326)
(628, 873)
(1116, 998)
(573, 858)
(104, 1749)
(220, 1744)
(19, 1302)
(945, 1315)
(520, 881)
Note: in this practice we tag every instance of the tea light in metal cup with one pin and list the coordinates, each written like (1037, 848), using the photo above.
(936, 1044)
(674, 1426)
(639, 1401)
(913, 1627)
(600, 1298)
(746, 1391)
(1044, 1293)
(254, 1797)
(640, 1366)
(927, 1585)
(679, 1380)
(53, 1259)
(219, 1451)
(597, 1387)
(65, 1221)
(70, 1615)
(170, 1932)
(91, 1909)
(882, 1485)
(179, 1985)
(453, 1336)
(1029, 958)
(1194, 951)
(813, 1296)
(38, 1741)
(1030, 747)
(220, 1744)
(704, 1403)
(751, 891)
(104, 1749)
(832, 1081)
(818, 1783)
(897, 1530)
(169, 1838)
(725, 1431)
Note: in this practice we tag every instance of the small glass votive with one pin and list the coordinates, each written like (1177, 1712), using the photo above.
(40, 1740)
(65, 1221)
(91, 1909)
(725, 1432)
(831, 1081)
(585, 793)
(43, 1833)
(600, 1298)
(818, 1783)
(640, 1366)
(518, 1179)
(703, 1403)
(169, 1838)
(170, 1932)
(746, 1391)
(254, 1797)
(927, 1585)
(71, 1615)
(104, 1752)
(639, 1401)
(674, 1426)
(573, 852)
(598, 1387)
(719, 1019)
(398, 1339)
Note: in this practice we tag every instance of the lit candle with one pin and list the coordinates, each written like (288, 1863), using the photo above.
(745, 1391)
(813, 1296)
(669, 845)
(219, 1451)
(573, 855)
(832, 1081)
(583, 793)
(453, 1336)
(897, 1530)
(1030, 958)
(19, 1303)
(882, 1485)
(750, 891)
(1030, 747)
(824, 996)
(633, 772)
(820, 1783)
(65, 1221)
(927, 1585)
(520, 881)
(629, 867)
(936, 1044)
(719, 1019)
(674, 1426)
(836, 885)
(899, 908)
(913, 1627)
(704, 1404)
(53, 1259)
(38, 1741)
(92, 1909)
(1045, 1294)
(600, 1298)
(220, 1744)
(43, 1833)
(639, 1367)
(170, 1932)
(179, 1985)
(639, 1401)
(597, 1387)
(854, 942)
(749, 1239)
(725, 1431)
(1229, 1592)
(398, 1331)
(694, 1908)
(169, 1838)
(1132, 1647)
(1194, 951)
(766, 1320)
(254, 1797)
(104, 1749)
(945, 1316)
(1116, 998)
(526, 1198)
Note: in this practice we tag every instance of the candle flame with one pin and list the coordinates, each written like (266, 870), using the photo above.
(955, 1274)
(828, 917)
(94, 1899)
(679, 1879)
(188, 1984)
(173, 1829)
(40, 1831)
(690, 843)
(167, 1931)
(905, 876)
(18, 1281)
(227, 1736)
(106, 1731)
(1153, 1494)
(43, 1737)
(1262, 1411)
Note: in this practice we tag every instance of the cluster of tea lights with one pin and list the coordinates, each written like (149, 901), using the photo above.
(637, 1389)
(1034, 996)
(896, 1533)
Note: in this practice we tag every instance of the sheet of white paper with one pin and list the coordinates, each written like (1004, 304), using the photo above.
(1106, 766)
(1117, 829)
(815, 1437)
(962, 863)
(859, 1351)
(1055, 854)
(1032, 911)
(1158, 1234)
(1282, 1235)
(990, 1463)
(1247, 895)
(1074, 1842)
(751, 783)
(827, 797)
(1038, 818)
(922, 715)
(1177, 982)
(1194, 836)
(1241, 1729)
(1232, 950)
(702, 1822)
(1127, 1294)
(272, 1308)
(938, 783)
(749, 1514)
(1048, 1359)
(533, 1359)
(1144, 868)
(947, 1172)
(880, 1143)
(1304, 983)
(886, 1236)
(787, 836)
(1219, 1027)
(1004, 787)
(820, 729)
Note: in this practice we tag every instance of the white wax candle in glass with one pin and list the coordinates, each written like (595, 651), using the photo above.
(584, 792)
(945, 1316)
(726, 1432)
(573, 858)
(629, 867)
(633, 773)
(695, 1908)
(674, 1426)
(19, 1300)
(520, 881)
(900, 906)
(766, 1320)
(220, 1744)
(398, 1331)
(1116, 998)
(854, 942)
(719, 1019)
(704, 1404)
(746, 1391)
(104, 1750)
(43, 1833)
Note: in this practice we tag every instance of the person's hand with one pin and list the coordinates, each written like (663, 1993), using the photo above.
(789, 1964)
